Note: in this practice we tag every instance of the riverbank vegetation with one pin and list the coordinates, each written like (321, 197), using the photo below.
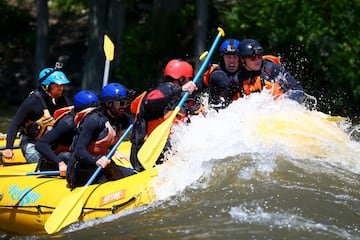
(316, 40)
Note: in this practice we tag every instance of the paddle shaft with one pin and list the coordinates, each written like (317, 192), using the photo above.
(106, 71)
(109, 55)
(154, 144)
(30, 173)
(204, 65)
(109, 155)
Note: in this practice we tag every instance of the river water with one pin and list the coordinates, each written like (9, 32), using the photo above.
(256, 170)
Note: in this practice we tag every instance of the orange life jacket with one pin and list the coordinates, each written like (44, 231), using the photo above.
(80, 115)
(272, 58)
(58, 114)
(257, 85)
(206, 75)
(102, 146)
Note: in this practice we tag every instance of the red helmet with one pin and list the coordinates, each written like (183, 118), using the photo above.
(177, 69)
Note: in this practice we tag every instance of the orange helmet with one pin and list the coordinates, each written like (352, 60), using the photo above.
(177, 69)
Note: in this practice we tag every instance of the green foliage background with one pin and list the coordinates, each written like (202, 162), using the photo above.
(317, 41)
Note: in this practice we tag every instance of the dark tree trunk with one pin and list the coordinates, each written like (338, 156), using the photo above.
(95, 57)
(201, 29)
(42, 39)
(115, 27)
(105, 17)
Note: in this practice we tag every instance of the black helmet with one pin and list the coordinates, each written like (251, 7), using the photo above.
(250, 47)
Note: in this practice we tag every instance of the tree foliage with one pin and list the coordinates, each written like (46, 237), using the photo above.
(316, 40)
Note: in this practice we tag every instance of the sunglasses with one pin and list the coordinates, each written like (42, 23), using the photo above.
(253, 58)
(122, 103)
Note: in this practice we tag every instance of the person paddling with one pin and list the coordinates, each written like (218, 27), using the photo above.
(222, 78)
(54, 146)
(97, 133)
(155, 105)
(34, 116)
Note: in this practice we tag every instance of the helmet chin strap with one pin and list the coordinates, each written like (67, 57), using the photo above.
(47, 89)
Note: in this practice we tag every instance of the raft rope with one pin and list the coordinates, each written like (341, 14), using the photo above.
(38, 207)
(113, 209)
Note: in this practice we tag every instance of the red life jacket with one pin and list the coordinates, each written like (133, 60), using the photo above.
(152, 124)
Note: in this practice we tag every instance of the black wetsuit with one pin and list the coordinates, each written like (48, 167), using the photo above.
(60, 136)
(83, 164)
(222, 87)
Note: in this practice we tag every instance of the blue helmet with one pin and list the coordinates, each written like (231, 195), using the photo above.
(84, 99)
(250, 47)
(230, 46)
(113, 92)
(51, 75)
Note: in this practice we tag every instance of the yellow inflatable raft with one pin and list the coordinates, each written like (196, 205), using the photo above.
(26, 202)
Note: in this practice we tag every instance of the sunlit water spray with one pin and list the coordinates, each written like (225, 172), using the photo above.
(257, 127)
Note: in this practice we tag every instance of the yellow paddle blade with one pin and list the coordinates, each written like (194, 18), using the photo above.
(203, 56)
(155, 143)
(70, 207)
(67, 212)
(337, 119)
(108, 48)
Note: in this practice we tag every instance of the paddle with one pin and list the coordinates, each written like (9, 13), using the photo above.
(337, 119)
(203, 56)
(30, 173)
(70, 207)
(109, 54)
(154, 144)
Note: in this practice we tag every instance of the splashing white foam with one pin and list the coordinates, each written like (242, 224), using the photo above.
(255, 125)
